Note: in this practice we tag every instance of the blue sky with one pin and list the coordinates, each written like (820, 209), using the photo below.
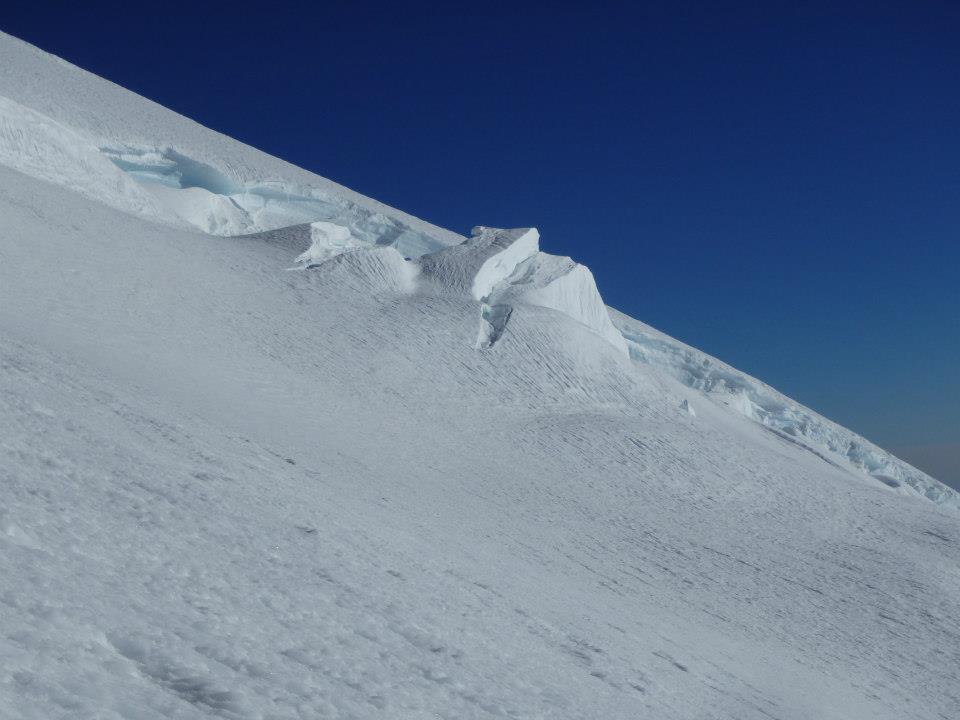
(778, 186)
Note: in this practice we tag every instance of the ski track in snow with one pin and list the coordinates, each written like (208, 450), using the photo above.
(236, 486)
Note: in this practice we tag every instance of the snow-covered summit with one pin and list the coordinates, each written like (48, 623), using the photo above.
(271, 449)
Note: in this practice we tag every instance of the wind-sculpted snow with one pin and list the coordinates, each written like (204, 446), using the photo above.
(161, 184)
(168, 167)
(207, 199)
(43, 148)
(476, 265)
(561, 284)
(117, 120)
(328, 240)
(499, 253)
(271, 475)
(759, 402)
(505, 268)
(374, 270)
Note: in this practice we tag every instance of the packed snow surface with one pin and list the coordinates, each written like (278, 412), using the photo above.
(270, 449)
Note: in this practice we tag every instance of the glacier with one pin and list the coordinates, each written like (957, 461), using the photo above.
(273, 449)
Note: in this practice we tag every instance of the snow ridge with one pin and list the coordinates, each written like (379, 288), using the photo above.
(753, 399)
(125, 125)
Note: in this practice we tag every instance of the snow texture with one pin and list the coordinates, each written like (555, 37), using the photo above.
(257, 460)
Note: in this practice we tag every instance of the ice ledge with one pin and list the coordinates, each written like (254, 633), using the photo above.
(504, 269)
(504, 251)
(475, 266)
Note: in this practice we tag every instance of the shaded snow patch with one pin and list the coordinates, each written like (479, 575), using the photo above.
(165, 166)
(493, 321)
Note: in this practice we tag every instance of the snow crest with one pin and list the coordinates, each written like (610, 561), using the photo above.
(213, 202)
(38, 146)
(165, 185)
(503, 269)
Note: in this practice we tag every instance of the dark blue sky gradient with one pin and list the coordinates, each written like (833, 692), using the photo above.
(777, 185)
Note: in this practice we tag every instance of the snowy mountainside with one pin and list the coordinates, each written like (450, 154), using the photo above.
(144, 159)
(748, 396)
(270, 450)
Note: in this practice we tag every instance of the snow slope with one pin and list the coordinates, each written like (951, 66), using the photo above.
(748, 396)
(341, 463)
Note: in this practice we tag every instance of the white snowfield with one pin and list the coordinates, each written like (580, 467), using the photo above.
(270, 449)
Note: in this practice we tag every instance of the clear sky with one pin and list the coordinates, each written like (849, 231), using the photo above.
(774, 184)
